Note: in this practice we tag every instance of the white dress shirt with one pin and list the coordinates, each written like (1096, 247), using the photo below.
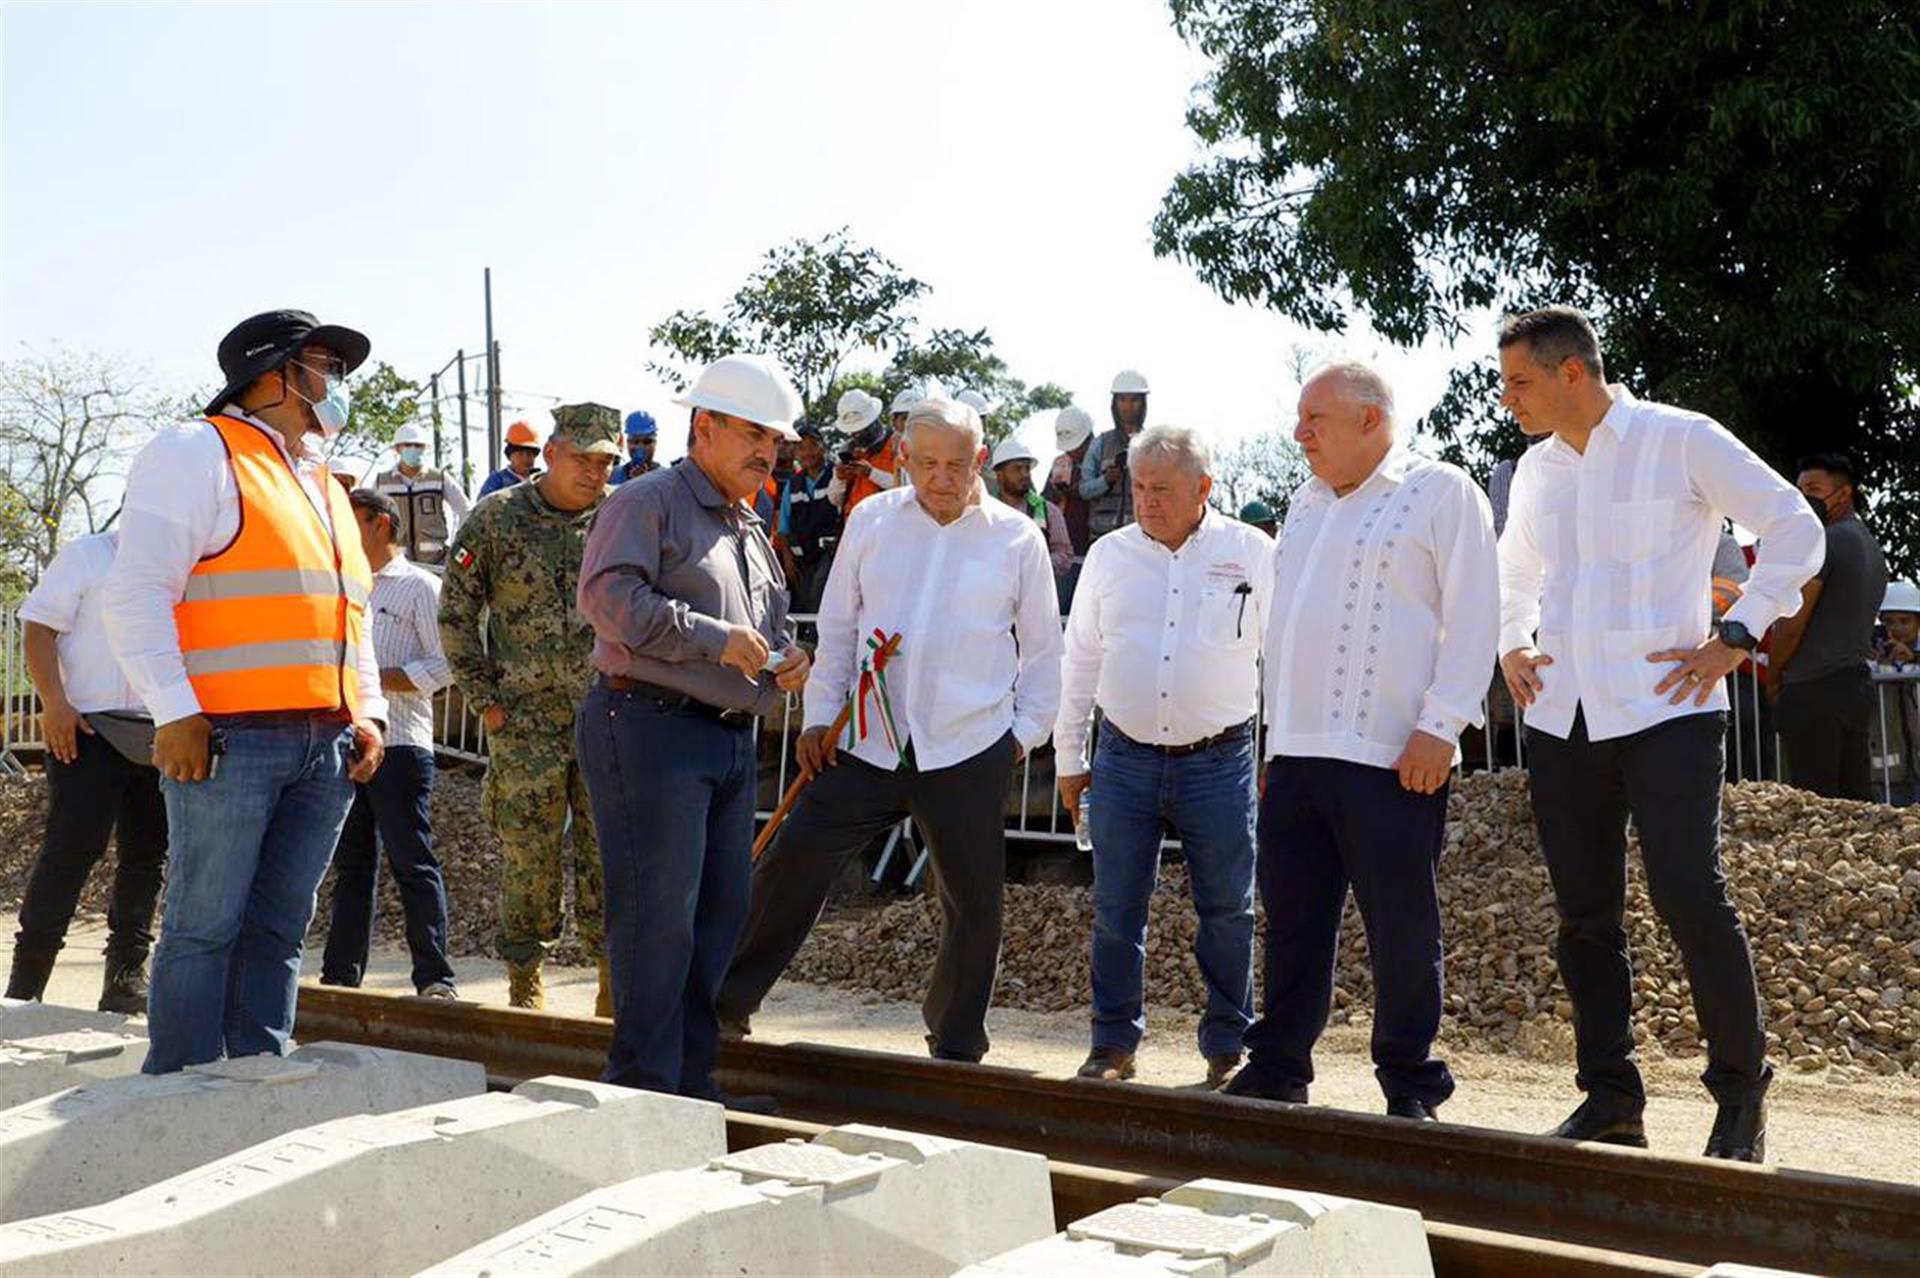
(1166, 642)
(1608, 556)
(405, 612)
(67, 602)
(979, 624)
(1387, 605)
(182, 504)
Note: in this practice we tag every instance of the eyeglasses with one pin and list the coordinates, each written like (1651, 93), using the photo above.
(323, 368)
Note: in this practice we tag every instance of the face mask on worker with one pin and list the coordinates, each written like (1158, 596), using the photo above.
(412, 455)
(331, 409)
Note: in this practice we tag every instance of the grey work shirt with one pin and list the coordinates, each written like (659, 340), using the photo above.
(670, 565)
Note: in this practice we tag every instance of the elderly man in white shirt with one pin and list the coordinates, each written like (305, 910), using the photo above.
(965, 583)
(101, 783)
(1605, 638)
(1384, 621)
(1165, 639)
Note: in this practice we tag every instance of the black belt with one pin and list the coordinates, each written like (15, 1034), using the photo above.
(277, 718)
(674, 699)
(1235, 733)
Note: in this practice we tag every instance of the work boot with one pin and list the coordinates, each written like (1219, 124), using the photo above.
(125, 988)
(1740, 1133)
(603, 1000)
(1220, 1069)
(524, 987)
(1606, 1120)
(1109, 1064)
(31, 971)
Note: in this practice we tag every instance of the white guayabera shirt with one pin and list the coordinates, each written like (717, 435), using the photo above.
(1387, 605)
(1608, 556)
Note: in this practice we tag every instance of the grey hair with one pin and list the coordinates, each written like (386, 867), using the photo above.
(1176, 443)
(1363, 380)
(948, 414)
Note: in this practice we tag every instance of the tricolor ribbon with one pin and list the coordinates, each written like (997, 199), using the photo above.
(873, 685)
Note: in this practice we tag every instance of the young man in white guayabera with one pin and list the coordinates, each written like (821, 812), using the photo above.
(1386, 611)
(1604, 631)
(964, 581)
(1165, 639)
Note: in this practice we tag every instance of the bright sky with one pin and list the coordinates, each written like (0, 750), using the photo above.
(168, 169)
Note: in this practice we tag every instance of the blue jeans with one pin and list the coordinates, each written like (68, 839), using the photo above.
(247, 849)
(392, 811)
(672, 793)
(1208, 798)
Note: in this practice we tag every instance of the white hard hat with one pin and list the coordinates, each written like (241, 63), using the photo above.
(975, 400)
(1072, 428)
(1012, 449)
(345, 468)
(913, 392)
(1128, 382)
(752, 387)
(855, 411)
(1902, 596)
(411, 433)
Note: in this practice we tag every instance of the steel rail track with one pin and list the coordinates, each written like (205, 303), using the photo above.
(1496, 1202)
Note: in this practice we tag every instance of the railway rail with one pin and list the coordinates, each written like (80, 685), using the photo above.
(1496, 1203)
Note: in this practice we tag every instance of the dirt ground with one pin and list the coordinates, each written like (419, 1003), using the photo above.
(1868, 1128)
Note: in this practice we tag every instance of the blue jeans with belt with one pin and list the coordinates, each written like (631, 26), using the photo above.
(247, 849)
(1207, 797)
(672, 791)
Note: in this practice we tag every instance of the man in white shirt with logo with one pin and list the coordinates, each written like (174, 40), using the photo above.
(1165, 638)
(1386, 607)
(966, 584)
(1604, 631)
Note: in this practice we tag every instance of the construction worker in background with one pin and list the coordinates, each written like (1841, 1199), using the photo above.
(909, 395)
(810, 524)
(978, 402)
(643, 434)
(1072, 437)
(519, 652)
(869, 462)
(523, 450)
(432, 504)
(1260, 515)
(1103, 475)
(1013, 464)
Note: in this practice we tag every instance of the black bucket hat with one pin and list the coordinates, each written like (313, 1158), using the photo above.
(261, 344)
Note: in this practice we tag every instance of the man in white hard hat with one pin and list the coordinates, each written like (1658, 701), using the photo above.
(1103, 475)
(432, 504)
(935, 731)
(1896, 651)
(1013, 464)
(689, 608)
(1073, 438)
(869, 459)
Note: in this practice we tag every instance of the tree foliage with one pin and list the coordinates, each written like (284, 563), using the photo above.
(965, 360)
(1265, 467)
(1728, 188)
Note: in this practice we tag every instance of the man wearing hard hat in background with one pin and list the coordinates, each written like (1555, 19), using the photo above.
(519, 653)
(523, 450)
(810, 523)
(692, 640)
(642, 436)
(1013, 464)
(1260, 515)
(1072, 437)
(432, 506)
(869, 462)
(1103, 475)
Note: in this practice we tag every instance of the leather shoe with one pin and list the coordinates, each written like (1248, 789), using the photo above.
(1609, 1123)
(1410, 1107)
(1109, 1064)
(1220, 1069)
(1249, 1085)
(1740, 1133)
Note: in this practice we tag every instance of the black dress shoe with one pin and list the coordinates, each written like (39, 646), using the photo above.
(1610, 1123)
(1248, 1084)
(1740, 1133)
(1410, 1107)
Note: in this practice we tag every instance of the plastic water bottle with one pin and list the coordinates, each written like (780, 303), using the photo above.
(1083, 822)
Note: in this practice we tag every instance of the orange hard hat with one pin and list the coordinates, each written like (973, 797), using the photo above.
(520, 435)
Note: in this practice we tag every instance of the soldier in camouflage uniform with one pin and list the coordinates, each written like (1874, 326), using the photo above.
(519, 651)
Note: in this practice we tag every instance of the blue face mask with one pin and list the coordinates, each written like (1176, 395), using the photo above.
(331, 410)
(412, 454)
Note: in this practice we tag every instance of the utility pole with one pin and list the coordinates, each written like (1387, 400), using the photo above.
(466, 454)
(433, 389)
(493, 371)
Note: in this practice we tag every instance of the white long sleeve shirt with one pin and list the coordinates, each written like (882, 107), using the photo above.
(979, 623)
(182, 504)
(1607, 556)
(1387, 606)
(1165, 642)
(68, 602)
(405, 613)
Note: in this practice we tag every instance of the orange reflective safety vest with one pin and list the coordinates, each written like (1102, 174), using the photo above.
(887, 458)
(275, 619)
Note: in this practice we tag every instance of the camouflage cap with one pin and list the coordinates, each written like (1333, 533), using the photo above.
(592, 428)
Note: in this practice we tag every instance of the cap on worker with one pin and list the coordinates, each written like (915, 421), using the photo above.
(1257, 512)
(976, 401)
(751, 387)
(262, 343)
(1902, 596)
(1128, 382)
(1072, 428)
(855, 411)
(522, 435)
(411, 433)
(1013, 449)
(640, 425)
(592, 428)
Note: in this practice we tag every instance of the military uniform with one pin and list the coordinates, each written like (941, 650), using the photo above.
(515, 639)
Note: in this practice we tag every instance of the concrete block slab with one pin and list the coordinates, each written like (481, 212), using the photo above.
(856, 1200)
(1214, 1228)
(376, 1194)
(1727, 1269)
(34, 1067)
(21, 1019)
(92, 1143)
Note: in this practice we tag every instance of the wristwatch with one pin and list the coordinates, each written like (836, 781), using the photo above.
(1735, 635)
